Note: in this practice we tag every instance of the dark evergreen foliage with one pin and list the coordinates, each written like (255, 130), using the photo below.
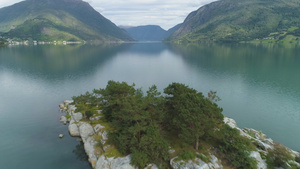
(141, 125)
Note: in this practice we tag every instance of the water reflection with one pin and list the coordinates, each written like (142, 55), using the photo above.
(80, 153)
(50, 62)
(260, 63)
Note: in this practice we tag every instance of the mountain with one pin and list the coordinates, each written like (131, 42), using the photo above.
(241, 20)
(172, 30)
(149, 32)
(57, 20)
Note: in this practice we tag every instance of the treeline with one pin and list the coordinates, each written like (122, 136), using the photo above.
(2, 41)
(146, 126)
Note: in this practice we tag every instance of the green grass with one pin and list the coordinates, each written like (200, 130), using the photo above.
(68, 116)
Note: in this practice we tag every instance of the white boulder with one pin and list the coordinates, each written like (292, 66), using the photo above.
(98, 127)
(61, 106)
(151, 166)
(63, 119)
(73, 129)
(85, 130)
(90, 150)
(230, 122)
(113, 163)
(67, 102)
(77, 116)
(196, 164)
(261, 164)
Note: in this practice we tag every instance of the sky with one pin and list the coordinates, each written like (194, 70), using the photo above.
(165, 13)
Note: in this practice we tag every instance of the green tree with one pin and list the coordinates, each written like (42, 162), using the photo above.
(152, 148)
(235, 148)
(84, 102)
(191, 113)
(112, 97)
(135, 121)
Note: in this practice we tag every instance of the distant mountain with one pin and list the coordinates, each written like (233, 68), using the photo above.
(242, 20)
(57, 20)
(172, 30)
(148, 32)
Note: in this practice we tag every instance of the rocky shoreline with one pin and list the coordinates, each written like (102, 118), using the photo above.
(95, 138)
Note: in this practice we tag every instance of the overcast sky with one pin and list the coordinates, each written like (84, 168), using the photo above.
(166, 13)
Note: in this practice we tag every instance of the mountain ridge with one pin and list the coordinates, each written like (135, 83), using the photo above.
(241, 20)
(71, 19)
(149, 32)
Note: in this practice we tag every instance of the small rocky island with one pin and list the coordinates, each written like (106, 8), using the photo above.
(104, 154)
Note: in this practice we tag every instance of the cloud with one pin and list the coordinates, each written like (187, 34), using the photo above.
(4, 3)
(166, 13)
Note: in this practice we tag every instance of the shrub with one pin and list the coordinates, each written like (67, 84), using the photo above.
(297, 159)
(186, 155)
(203, 158)
(89, 114)
(68, 116)
(236, 149)
(278, 156)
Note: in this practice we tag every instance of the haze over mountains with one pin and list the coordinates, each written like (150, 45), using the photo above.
(150, 32)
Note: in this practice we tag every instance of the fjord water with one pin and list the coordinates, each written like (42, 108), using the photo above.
(259, 87)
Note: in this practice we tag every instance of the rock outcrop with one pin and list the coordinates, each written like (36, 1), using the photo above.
(263, 143)
(99, 160)
(196, 163)
(88, 133)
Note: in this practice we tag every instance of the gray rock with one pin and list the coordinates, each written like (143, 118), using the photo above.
(113, 163)
(196, 164)
(85, 130)
(264, 146)
(171, 151)
(261, 164)
(98, 127)
(95, 118)
(67, 102)
(295, 153)
(77, 116)
(99, 111)
(61, 106)
(63, 119)
(258, 135)
(71, 109)
(104, 137)
(73, 129)
(269, 141)
(230, 122)
(151, 166)
(90, 150)
(60, 135)
(214, 162)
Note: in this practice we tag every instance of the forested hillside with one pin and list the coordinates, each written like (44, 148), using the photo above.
(57, 20)
(242, 20)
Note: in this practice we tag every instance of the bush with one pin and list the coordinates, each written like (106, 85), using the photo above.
(278, 156)
(236, 149)
(186, 155)
(297, 159)
(68, 116)
(89, 114)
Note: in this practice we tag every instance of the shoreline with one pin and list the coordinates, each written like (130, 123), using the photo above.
(94, 137)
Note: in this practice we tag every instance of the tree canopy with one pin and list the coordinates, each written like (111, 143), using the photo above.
(145, 125)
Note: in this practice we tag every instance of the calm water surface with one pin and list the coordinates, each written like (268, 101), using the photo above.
(259, 87)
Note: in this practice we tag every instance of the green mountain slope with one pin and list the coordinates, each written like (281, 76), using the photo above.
(57, 20)
(241, 20)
